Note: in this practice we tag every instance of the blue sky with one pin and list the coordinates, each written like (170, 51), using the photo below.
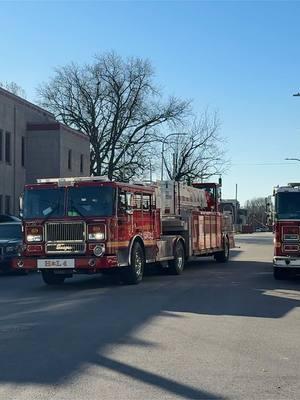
(240, 58)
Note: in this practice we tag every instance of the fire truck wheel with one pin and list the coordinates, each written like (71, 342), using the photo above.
(176, 265)
(223, 256)
(51, 279)
(133, 274)
(279, 273)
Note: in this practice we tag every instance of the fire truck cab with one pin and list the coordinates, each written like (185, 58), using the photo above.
(91, 225)
(286, 214)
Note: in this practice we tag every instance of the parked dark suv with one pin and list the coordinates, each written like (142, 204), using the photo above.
(8, 218)
(10, 243)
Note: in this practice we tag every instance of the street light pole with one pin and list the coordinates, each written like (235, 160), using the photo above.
(163, 149)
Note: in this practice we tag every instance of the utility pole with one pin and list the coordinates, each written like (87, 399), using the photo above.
(236, 211)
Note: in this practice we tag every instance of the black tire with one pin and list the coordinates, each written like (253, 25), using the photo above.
(279, 273)
(223, 256)
(176, 266)
(52, 279)
(133, 274)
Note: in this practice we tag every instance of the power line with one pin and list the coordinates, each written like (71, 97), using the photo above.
(263, 163)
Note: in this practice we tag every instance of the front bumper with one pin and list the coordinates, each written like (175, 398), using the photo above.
(286, 261)
(81, 264)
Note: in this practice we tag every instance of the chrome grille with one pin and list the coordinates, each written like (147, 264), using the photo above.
(65, 248)
(65, 232)
(65, 237)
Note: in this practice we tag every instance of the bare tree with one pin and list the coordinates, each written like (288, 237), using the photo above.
(198, 152)
(256, 211)
(13, 88)
(116, 104)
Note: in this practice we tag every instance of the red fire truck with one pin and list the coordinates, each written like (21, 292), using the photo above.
(286, 214)
(91, 225)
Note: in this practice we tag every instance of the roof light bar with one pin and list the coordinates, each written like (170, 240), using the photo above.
(72, 180)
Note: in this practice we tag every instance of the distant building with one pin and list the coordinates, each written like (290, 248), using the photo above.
(34, 145)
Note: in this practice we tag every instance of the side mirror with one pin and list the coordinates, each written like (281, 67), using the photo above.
(21, 205)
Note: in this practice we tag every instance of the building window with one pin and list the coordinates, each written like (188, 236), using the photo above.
(1, 145)
(70, 159)
(7, 147)
(81, 163)
(1, 204)
(23, 152)
(7, 204)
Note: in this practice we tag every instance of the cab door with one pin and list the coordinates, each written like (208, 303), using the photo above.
(138, 226)
(151, 219)
(124, 218)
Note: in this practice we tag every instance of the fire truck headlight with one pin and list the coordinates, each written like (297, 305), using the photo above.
(34, 234)
(99, 250)
(96, 232)
(34, 238)
(96, 236)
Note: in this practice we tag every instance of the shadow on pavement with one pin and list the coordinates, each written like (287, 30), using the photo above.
(54, 331)
(166, 384)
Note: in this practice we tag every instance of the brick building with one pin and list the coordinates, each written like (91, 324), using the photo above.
(34, 145)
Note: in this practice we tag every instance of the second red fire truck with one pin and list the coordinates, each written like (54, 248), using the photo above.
(286, 221)
(91, 225)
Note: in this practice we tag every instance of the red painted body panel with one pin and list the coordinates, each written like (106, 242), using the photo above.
(282, 247)
(207, 231)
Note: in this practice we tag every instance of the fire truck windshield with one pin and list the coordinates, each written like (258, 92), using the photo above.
(89, 201)
(287, 205)
(43, 203)
(81, 201)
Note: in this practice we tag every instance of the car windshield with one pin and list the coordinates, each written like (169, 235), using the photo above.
(12, 231)
(43, 203)
(288, 205)
(91, 201)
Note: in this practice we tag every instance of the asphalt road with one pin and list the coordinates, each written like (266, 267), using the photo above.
(226, 331)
